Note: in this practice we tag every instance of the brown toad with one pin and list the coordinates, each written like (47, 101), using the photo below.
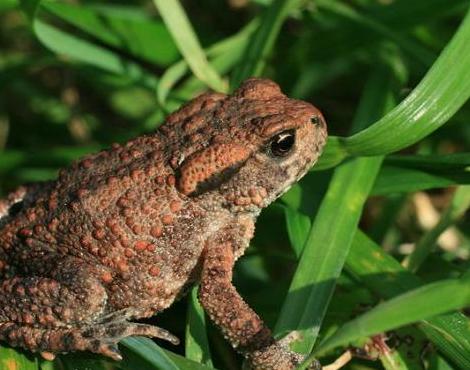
(121, 233)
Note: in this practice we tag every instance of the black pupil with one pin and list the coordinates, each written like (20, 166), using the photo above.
(282, 143)
(315, 120)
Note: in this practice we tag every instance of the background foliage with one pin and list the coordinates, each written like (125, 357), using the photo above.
(370, 251)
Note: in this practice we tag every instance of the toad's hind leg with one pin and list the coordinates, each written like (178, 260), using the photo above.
(116, 325)
(101, 339)
(47, 313)
(65, 313)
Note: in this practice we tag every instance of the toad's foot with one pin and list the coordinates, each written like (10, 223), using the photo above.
(115, 331)
(104, 337)
(278, 357)
(100, 338)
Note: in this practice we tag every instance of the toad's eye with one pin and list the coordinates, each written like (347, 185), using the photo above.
(281, 144)
(315, 120)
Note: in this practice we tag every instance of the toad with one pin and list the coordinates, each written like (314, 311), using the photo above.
(122, 233)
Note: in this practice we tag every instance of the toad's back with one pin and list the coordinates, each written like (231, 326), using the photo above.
(119, 211)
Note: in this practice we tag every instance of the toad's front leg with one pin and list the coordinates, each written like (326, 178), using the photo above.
(239, 323)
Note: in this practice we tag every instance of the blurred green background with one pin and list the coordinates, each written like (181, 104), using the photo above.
(76, 76)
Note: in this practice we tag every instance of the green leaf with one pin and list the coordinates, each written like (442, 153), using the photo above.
(64, 43)
(444, 162)
(196, 344)
(263, 40)
(446, 85)
(326, 249)
(333, 154)
(393, 179)
(147, 352)
(421, 303)
(143, 353)
(80, 361)
(135, 34)
(332, 232)
(298, 226)
(185, 38)
(70, 45)
(387, 278)
(457, 207)
(227, 51)
(444, 89)
(10, 359)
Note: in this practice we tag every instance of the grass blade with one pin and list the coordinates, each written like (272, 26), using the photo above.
(298, 226)
(64, 43)
(143, 353)
(196, 344)
(421, 303)
(385, 276)
(331, 233)
(137, 35)
(11, 359)
(457, 207)
(446, 85)
(148, 352)
(454, 161)
(415, 49)
(394, 179)
(326, 249)
(263, 40)
(185, 38)
(229, 48)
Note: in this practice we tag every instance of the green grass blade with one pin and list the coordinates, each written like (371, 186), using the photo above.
(79, 361)
(185, 38)
(231, 48)
(185, 364)
(444, 89)
(385, 276)
(196, 344)
(138, 349)
(446, 85)
(143, 353)
(332, 232)
(11, 359)
(421, 303)
(333, 154)
(135, 34)
(394, 179)
(415, 49)
(326, 249)
(298, 226)
(30, 7)
(263, 40)
(64, 43)
(457, 207)
(454, 161)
